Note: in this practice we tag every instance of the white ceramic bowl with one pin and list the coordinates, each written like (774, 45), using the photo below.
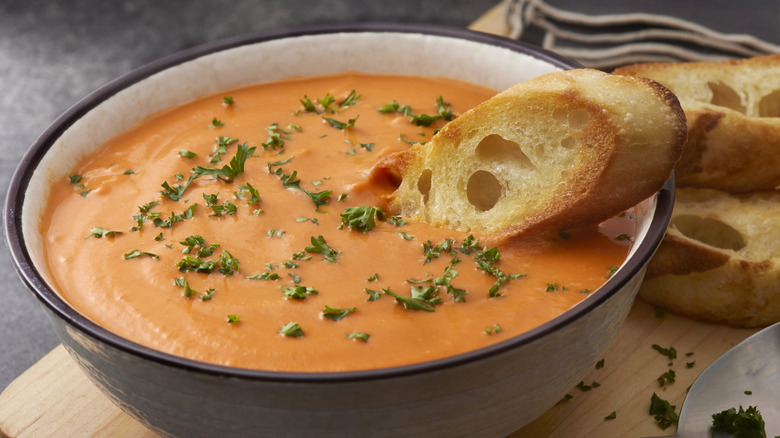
(489, 392)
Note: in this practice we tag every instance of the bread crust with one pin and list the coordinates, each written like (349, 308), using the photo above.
(563, 150)
(733, 113)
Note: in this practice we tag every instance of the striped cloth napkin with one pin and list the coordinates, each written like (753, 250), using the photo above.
(609, 33)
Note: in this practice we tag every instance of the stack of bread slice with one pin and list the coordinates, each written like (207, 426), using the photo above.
(720, 259)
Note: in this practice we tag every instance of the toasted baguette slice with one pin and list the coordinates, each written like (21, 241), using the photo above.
(562, 150)
(720, 258)
(733, 112)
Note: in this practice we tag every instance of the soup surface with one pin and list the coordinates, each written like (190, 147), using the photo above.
(243, 229)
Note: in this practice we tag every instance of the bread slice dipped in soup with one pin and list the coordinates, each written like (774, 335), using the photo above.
(332, 223)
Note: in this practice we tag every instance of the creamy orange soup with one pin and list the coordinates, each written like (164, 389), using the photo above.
(237, 230)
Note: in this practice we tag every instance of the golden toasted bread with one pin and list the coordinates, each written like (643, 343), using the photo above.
(720, 258)
(562, 150)
(733, 113)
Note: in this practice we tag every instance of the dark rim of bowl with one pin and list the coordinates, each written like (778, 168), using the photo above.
(34, 281)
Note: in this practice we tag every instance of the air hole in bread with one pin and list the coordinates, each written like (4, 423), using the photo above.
(568, 142)
(424, 184)
(769, 105)
(724, 95)
(483, 190)
(497, 148)
(578, 118)
(561, 115)
(709, 231)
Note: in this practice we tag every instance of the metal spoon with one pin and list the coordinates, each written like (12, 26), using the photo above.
(746, 375)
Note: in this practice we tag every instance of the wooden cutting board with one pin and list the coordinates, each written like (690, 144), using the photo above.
(53, 397)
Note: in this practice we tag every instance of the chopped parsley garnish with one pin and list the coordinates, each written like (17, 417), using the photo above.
(232, 319)
(182, 282)
(442, 109)
(405, 235)
(228, 100)
(196, 264)
(301, 255)
(486, 261)
(292, 182)
(432, 251)
(228, 264)
(211, 199)
(196, 242)
(611, 416)
(583, 387)
(175, 192)
(207, 295)
(308, 105)
(446, 281)
(186, 153)
(335, 314)
(228, 172)
(495, 329)
(175, 218)
(742, 423)
(275, 233)
(402, 138)
(670, 352)
(215, 122)
(341, 125)
(144, 214)
(470, 244)
(227, 208)
(350, 100)
(421, 299)
(102, 232)
(74, 179)
(222, 144)
(292, 329)
(362, 218)
(276, 137)
(325, 103)
(137, 253)
(298, 292)
(267, 275)
(373, 295)
(319, 246)
(397, 221)
(667, 377)
(367, 146)
(662, 412)
(600, 364)
(250, 193)
(128, 172)
(358, 335)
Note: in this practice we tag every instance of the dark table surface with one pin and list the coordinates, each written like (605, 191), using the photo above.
(53, 53)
